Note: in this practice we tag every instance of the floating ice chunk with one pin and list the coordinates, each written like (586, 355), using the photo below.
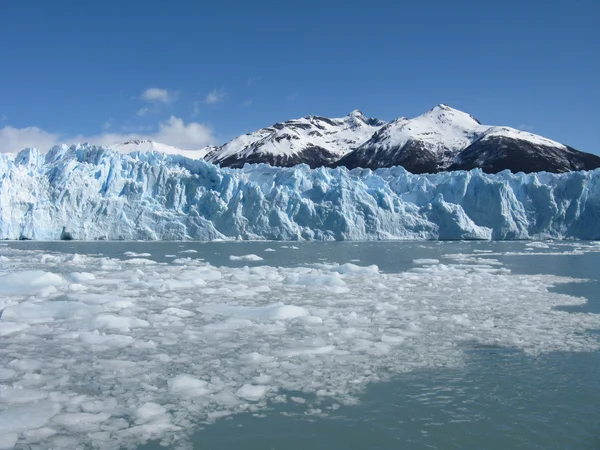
(149, 431)
(251, 257)
(177, 312)
(48, 311)
(390, 339)
(8, 441)
(316, 280)
(252, 392)
(269, 312)
(80, 277)
(101, 436)
(80, 422)
(537, 244)
(7, 328)
(354, 269)
(117, 365)
(189, 251)
(98, 406)
(323, 350)
(262, 379)
(6, 374)
(256, 358)
(229, 325)
(105, 341)
(140, 261)
(282, 312)
(21, 395)
(150, 411)
(310, 320)
(28, 282)
(19, 418)
(269, 250)
(26, 364)
(174, 285)
(39, 434)
(208, 274)
(139, 255)
(121, 323)
(426, 261)
(186, 260)
(188, 386)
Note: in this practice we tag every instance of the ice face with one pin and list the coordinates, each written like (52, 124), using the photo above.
(108, 354)
(87, 192)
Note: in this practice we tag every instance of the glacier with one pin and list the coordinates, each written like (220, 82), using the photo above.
(88, 192)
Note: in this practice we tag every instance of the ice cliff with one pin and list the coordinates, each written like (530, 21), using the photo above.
(89, 192)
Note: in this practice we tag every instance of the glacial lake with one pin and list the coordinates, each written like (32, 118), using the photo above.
(294, 345)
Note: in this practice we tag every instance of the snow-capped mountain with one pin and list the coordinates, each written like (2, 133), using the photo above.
(446, 139)
(442, 139)
(424, 144)
(313, 140)
(145, 145)
(503, 148)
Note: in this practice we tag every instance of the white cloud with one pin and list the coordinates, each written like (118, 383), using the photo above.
(190, 136)
(174, 131)
(143, 111)
(14, 139)
(215, 96)
(157, 95)
(196, 110)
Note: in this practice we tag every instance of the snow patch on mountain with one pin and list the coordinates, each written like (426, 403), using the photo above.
(513, 133)
(436, 140)
(145, 146)
(336, 137)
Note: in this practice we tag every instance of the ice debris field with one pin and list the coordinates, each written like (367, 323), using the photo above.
(87, 192)
(109, 353)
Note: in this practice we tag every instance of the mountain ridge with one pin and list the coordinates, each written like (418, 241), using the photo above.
(441, 139)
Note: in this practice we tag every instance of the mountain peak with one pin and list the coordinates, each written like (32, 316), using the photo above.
(356, 113)
(137, 142)
(444, 108)
(444, 113)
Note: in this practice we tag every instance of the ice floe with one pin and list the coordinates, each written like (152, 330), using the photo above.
(144, 351)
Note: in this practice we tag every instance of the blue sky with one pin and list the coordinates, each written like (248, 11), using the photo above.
(191, 73)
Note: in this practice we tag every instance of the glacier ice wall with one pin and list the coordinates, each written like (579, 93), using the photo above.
(89, 192)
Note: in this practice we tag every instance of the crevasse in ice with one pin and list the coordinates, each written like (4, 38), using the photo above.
(90, 192)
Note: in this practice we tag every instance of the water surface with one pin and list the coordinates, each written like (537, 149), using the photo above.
(479, 394)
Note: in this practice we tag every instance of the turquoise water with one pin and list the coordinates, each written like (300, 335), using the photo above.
(500, 398)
